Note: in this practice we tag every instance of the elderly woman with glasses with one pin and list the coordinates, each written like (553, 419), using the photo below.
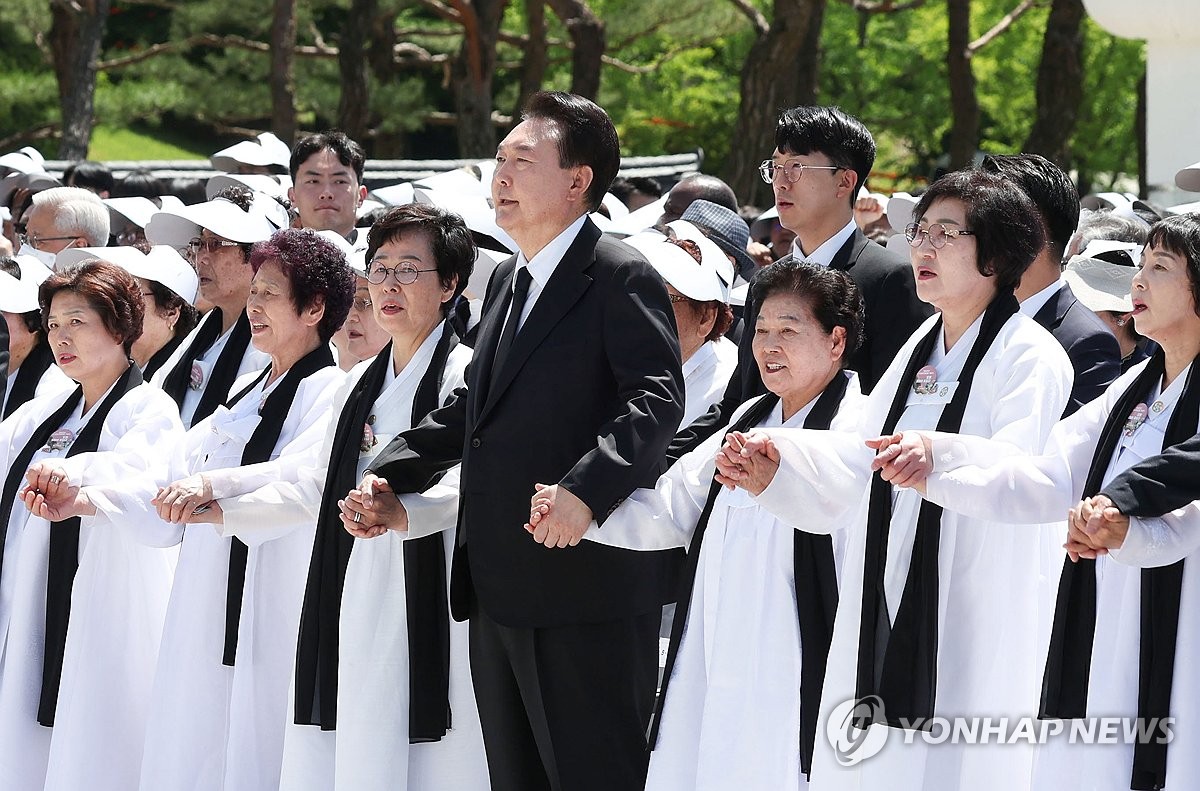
(941, 613)
(380, 666)
(81, 599)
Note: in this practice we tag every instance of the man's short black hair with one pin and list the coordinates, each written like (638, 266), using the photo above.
(1050, 189)
(829, 131)
(347, 151)
(586, 136)
(90, 175)
(622, 187)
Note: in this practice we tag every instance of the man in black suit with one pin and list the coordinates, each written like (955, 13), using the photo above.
(585, 396)
(1094, 352)
(822, 156)
(3, 359)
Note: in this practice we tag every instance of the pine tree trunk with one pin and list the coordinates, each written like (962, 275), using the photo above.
(282, 78)
(533, 65)
(472, 74)
(354, 108)
(964, 104)
(1059, 83)
(76, 32)
(588, 44)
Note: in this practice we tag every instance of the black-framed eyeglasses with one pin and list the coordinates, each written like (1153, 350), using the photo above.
(36, 242)
(937, 234)
(406, 274)
(191, 251)
(793, 171)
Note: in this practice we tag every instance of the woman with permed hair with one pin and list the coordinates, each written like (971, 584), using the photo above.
(81, 599)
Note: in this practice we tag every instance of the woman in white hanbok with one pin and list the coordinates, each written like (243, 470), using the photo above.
(89, 581)
(738, 706)
(355, 723)
(956, 607)
(1149, 408)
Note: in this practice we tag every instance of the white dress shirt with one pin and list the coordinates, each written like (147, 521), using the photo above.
(824, 253)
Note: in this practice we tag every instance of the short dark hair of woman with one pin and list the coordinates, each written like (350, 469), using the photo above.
(724, 318)
(1180, 235)
(315, 268)
(452, 243)
(32, 319)
(165, 300)
(586, 136)
(1002, 219)
(108, 289)
(348, 151)
(831, 295)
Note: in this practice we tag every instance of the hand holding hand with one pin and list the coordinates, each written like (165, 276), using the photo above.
(557, 517)
(904, 459)
(63, 504)
(50, 479)
(177, 502)
(747, 460)
(1095, 526)
(367, 514)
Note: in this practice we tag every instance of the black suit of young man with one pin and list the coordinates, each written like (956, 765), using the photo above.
(563, 641)
(1093, 349)
(893, 310)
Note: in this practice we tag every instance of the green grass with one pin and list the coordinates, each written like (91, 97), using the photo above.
(111, 143)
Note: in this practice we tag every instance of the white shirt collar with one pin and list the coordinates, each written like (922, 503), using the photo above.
(1031, 305)
(543, 264)
(824, 254)
(705, 354)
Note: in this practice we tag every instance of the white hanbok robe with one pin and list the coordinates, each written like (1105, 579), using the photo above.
(731, 719)
(52, 382)
(253, 360)
(117, 605)
(705, 376)
(370, 747)
(995, 598)
(212, 726)
(1043, 488)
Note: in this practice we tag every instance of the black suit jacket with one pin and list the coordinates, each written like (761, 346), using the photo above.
(1093, 349)
(589, 397)
(893, 313)
(1159, 484)
(3, 359)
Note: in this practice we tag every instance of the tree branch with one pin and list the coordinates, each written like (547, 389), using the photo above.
(403, 53)
(882, 6)
(1004, 24)
(757, 20)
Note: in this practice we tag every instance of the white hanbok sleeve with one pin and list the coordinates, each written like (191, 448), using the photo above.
(983, 479)
(821, 477)
(1160, 541)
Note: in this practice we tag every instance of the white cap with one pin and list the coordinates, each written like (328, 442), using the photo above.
(475, 210)
(267, 149)
(1097, 247)
(759, 228)
(27, 160)
(222, 217)
(1189, 178)
(356, 254)
(486, 262)
(163, 264)
(688, 276)
(711, 255)
(21, 296)
(639, 219)
(616, 209)
(900, 211)
(368, 206)
(459, 181)
(272, 186)
(400, 194)
(138, 211)
(1100, 285)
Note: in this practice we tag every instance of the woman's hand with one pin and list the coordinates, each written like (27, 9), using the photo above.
(63, 504)
(178, 502)
(50, 479)
(372, 509)
(904, 459)
(749, 460)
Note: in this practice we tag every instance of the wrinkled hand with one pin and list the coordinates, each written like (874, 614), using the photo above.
(64, 504)
(1095, 526)
(557, 517)
(904, 459)
(366, 514)
(747, 460)
(177, 502)
(50, 479)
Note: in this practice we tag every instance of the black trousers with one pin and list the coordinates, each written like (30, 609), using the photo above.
(565, 708)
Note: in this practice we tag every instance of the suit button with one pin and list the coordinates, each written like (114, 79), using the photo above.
(475, 443)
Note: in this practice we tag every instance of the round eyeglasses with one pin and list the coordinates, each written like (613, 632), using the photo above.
(792, 172)
(405, 274)
(937, 234)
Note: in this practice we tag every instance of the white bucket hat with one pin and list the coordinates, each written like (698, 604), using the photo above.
(163, 264)
(21, 296)
(1100, 285)
(689, 277)
(222, 217)
(266, 149)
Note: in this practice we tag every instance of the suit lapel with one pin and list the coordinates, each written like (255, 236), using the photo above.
(1055, 310)
(490, 325)
(561, 292)
(848, 255)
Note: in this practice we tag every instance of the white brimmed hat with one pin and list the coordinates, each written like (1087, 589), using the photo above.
(272, 186)
(222, 217)
(21, 296)
(138, 211)
(689, 277)
(900, 210)
(711, 254)
(26, 160)
(356, 254)
(1100, 285)
(163, 264)
(1189, 178)
(266, 150)
(1115, 252)
(475, 210)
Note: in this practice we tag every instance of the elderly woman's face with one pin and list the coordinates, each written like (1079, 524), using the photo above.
(275, 324)
(83, 347)
(948, 277)
(796, 356)
(361, 336)
(158, 327)
(1163, 307)
(408, 311)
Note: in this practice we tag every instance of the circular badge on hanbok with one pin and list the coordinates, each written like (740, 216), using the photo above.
(59, 441)
(1157, 407)
(926, 381)
(196, 380)
(1135, 420)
